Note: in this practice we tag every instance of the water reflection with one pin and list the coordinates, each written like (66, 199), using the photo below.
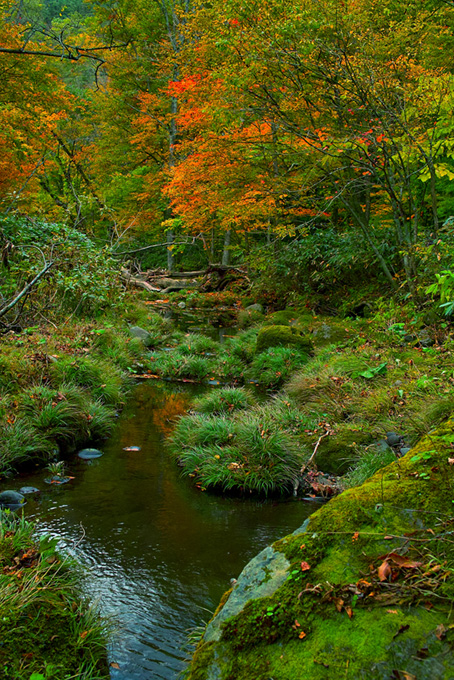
(159, 553)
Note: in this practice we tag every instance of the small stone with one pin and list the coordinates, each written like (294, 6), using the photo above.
(404, 450)
(393, 439)
(28, 489)
(141, 334)
(11, 499)
(89, 454)
(255, 308)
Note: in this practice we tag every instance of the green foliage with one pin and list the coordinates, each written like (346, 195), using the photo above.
(444, 287)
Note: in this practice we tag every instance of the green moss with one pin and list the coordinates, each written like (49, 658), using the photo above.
(356, 625)
(284, 336)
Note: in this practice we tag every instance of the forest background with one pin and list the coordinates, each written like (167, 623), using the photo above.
(313, 138)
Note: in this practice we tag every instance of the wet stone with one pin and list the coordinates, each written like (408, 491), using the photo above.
(56, 479)
(11, 499)
(89, 454)
(393, 439)
(28, 489)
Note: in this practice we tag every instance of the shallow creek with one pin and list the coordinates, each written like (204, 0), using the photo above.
(158, 552)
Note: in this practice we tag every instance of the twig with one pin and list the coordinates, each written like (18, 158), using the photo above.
(306, 465)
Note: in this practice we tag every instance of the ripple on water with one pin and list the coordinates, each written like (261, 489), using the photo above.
(159, 553)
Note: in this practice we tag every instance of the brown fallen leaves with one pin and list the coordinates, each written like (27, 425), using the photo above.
(385, 570)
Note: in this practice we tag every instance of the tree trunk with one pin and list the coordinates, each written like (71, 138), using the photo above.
(226, 251)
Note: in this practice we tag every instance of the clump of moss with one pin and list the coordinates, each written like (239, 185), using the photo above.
(283, 336)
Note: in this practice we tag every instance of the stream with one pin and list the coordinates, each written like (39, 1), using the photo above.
(158, 552)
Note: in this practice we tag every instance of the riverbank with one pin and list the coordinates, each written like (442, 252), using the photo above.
(363, 589)
(47, 628)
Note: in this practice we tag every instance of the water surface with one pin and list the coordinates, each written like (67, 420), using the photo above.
(159, 553)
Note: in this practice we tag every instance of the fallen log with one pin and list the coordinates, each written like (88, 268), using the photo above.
(140, 283)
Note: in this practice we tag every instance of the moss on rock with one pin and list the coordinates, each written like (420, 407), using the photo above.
(284, 336)
(368, 590)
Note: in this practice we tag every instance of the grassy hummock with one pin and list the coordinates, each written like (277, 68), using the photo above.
(47, 629)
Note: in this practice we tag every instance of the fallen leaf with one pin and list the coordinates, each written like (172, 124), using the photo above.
(384, 571)
(302, 635)
(451, 461)
(114, 665)
(84, 634)
(305, 566)
(392, 611)
(440, 631)
(349, 611)
(401, 560)
(339, 603)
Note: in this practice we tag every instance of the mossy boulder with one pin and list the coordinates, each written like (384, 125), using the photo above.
(249, 317)
(283, 336)
(330, 334)
(368, 591)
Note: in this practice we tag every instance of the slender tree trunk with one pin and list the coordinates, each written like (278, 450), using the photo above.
(226, 251)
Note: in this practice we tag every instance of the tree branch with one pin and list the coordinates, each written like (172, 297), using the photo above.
(25, 290)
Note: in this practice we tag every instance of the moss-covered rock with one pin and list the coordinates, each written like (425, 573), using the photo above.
(284, 336)
(368, 590)
(330, 333)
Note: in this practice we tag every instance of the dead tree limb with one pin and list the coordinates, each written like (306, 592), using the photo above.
(26, 289)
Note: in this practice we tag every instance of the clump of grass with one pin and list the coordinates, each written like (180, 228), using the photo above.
(60, 634)
(201, 430)
(242, 346)
(21, 442)
(176, 365)
(229, 369)
(244, 454)
(372, 459)
(105, 381)
(100, 420)
(273, 367)
(57, 420)
(196, 343)
(224, 400)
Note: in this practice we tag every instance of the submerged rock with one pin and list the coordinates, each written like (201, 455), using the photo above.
(11, 500)
(28, 489)
(354, 595)
(89, 454)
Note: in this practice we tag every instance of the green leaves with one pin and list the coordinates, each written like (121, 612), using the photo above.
(372, 372)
